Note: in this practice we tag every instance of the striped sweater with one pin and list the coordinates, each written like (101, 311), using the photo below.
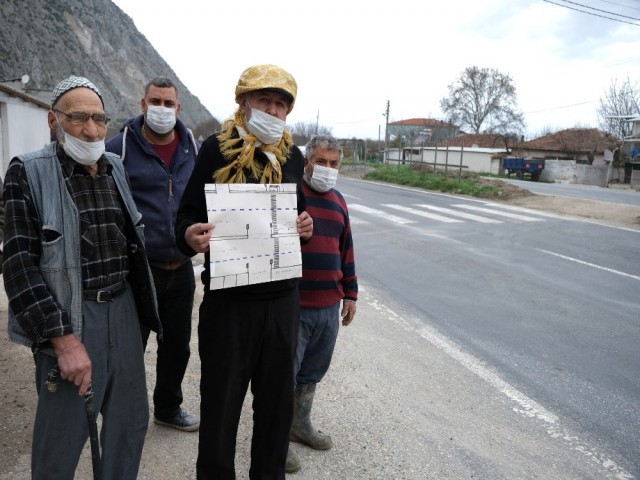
(328, 266)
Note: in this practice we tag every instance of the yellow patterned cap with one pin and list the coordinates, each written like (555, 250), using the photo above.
(260, 77)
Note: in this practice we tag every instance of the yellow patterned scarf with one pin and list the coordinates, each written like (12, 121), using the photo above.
(239, 153)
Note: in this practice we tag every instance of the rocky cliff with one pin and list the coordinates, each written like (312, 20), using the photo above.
(51, 39)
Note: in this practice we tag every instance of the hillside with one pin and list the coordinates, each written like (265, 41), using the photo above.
(51, 39)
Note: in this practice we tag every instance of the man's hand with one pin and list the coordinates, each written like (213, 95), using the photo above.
(198, 235)
(304, 223)
(73, 360)
(348, 312)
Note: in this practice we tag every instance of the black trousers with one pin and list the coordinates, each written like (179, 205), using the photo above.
(240, 342)
(174, 291)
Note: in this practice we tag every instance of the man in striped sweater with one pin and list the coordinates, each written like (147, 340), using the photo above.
(328, 279)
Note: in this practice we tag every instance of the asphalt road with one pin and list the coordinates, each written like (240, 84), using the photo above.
(550, 305)
(621, 194)
(501, 350)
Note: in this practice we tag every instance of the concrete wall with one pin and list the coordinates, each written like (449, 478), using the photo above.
(23, 128)
(568, 171)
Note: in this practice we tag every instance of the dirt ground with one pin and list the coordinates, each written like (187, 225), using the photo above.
(18, 399)
(604, 212)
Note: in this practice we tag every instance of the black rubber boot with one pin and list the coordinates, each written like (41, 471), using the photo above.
(302, 431)
(293, 462)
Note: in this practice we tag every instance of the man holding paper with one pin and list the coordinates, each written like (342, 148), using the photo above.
(247, 334)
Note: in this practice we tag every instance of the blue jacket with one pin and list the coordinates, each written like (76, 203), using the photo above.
(156, 190)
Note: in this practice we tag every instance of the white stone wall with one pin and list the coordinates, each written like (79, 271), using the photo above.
(23, 128)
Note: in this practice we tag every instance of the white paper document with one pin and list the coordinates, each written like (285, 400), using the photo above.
(255, 239)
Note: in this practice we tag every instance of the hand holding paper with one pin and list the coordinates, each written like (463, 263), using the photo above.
(198, 235)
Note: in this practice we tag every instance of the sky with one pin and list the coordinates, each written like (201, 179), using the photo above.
(350, 58)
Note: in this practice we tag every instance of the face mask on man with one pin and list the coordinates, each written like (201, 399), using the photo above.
(267, 128)
(160, 119)
(323, 179)
(83, 152)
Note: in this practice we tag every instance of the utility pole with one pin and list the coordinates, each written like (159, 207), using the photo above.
(317, 121)
(386, 131)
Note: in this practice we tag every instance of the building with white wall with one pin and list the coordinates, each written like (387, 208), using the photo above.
(23, 123)
(475, 159)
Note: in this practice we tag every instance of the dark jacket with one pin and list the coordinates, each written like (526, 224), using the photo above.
(45, 284)
(193, 209)
(156, 190)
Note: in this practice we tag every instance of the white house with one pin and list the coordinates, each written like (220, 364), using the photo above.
(23, 122)
(474, 159)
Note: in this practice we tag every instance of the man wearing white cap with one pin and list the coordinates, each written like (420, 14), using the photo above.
(247, 334)
(78, 280)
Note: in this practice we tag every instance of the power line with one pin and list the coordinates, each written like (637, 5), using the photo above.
(620, 5)
(631, 92)
(560, 108)
(600, 10)
(591, 13)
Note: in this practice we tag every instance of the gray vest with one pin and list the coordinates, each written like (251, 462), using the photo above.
(60, 261)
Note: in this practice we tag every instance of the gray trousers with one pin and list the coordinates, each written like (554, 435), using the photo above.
(113, 341)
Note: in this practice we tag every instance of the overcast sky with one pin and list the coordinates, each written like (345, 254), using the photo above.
(349, 57)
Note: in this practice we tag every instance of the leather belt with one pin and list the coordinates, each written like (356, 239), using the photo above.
(168, 265)
(106, 294)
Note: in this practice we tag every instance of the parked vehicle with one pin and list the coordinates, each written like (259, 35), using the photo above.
(523, 168)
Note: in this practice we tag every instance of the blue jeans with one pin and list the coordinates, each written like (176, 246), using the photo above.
(316, 341)
(175, 290)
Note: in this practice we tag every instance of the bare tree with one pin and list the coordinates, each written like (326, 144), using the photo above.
(485, 101)
(303, 131)
(620, 101)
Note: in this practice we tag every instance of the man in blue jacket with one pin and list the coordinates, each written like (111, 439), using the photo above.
(159, 152)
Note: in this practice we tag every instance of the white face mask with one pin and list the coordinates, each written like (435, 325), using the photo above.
(85, 153)
(160, 119)
(323, 179)
(267, 128)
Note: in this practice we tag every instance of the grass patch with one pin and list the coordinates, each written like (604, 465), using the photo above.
(420, 177)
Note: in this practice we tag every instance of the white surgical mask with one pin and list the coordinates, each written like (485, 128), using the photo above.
(323, 178)
(267, 128)
(160, 119)
(83, 152)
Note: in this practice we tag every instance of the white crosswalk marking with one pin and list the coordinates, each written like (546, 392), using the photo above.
(421, 213)
(353, 220)
(455, 213)
(499, 213)
(380, 213)
(445, 215)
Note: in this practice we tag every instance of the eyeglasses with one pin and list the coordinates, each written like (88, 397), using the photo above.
(80, 118)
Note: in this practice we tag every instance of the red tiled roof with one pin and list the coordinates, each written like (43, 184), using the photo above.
(573, 140)
(423, 122)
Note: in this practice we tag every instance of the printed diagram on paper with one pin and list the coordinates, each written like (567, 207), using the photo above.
(255, 239)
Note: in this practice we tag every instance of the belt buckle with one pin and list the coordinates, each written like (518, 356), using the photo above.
(102, 293)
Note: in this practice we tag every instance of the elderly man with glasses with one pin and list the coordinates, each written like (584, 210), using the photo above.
(78, 282)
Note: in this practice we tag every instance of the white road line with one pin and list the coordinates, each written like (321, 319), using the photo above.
(525, 210)
(499, 213)
(606, 269)
(455, 213)
(420, 213)
(354, 220)
(380, 213)
(523, 404)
